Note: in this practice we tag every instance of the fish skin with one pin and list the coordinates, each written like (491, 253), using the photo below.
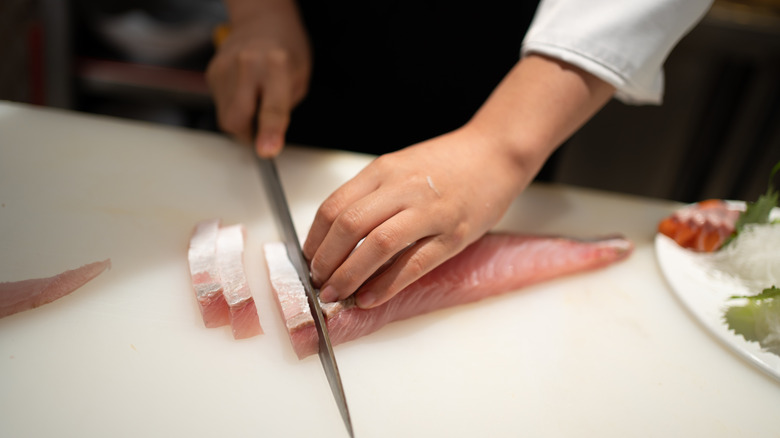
(495, 264)
(17, 296)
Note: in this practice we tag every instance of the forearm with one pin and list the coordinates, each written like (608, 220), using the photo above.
(240, 11)
(538, 105)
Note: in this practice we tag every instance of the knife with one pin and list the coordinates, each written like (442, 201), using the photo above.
(284, 223)
(273, 187)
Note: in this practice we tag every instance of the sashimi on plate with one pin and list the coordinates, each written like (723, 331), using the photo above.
(731, 288)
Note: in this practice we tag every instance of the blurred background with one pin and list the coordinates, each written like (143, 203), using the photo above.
(716, 135)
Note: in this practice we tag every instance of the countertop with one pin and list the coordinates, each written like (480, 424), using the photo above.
(610, 353)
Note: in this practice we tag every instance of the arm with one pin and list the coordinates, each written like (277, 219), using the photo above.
(436, 197)
(261, 70)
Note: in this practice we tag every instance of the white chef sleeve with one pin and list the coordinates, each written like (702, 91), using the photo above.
(623, 42)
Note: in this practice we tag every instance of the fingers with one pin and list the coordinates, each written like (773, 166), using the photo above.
(411, 265)
(352, 191)
(275, 107)
(391, 230)
(232, 85)
(407, 262)
(388, 214)
(253, 95)
(381, 244)
(368, 217)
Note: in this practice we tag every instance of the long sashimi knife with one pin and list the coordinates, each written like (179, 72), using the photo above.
(285, 224)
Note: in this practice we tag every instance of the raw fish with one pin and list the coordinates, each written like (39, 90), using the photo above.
(495, 264)
(240, 303)
(17, 296)
(202, 257)
(703, 227)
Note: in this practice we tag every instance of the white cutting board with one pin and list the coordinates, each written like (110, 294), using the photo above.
(609, 353)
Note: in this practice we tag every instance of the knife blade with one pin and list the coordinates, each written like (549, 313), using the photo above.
(284, 223)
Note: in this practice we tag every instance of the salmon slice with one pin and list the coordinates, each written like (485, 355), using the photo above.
(202, 256)
(17, 296)
(703, 227)
(240, 303)
(495, 264)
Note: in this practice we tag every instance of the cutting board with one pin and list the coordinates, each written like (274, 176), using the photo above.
(607, 353)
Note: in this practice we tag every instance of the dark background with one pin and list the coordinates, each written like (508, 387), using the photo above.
(404, 71)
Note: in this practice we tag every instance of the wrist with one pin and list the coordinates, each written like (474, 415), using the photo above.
(536, 107)
(516, 158)
(267, 12)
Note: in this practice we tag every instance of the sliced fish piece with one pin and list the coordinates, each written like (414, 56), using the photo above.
(495, 264)
(235, 288)
(16, 296)
(703, 227)
(202, 257)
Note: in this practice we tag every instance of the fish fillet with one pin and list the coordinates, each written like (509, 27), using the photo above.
(202, 256)
(17, 296)
(240, 303)
(495, 264)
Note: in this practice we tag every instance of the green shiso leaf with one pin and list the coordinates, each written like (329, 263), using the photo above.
(742, 320)
(758, 212)
(766, 294)
(758, 320)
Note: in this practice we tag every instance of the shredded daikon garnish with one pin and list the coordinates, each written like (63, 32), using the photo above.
(753, 257)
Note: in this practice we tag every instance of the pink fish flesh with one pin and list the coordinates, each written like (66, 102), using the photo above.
(240, 303)
(16, 296)
(202, 256)
(495, 264)
(217, 269)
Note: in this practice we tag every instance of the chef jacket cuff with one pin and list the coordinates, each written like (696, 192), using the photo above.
(650, 91)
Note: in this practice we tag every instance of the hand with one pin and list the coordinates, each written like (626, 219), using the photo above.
(266, 58)
(431, 200)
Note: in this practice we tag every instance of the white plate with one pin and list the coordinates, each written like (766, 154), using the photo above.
(706, 295)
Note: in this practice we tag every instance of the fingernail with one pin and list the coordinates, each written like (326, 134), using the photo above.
(366, 300)
(328, 294)
(315, 279)
(267, 145)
